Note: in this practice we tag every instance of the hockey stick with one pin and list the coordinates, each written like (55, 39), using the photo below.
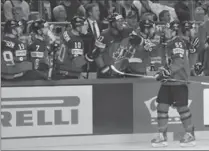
(154, 77)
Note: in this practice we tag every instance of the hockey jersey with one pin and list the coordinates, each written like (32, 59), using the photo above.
(14, 62)
(39, 54)
(177, 55)
(71, 54)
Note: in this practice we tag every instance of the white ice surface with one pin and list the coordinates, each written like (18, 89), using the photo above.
(201, 145)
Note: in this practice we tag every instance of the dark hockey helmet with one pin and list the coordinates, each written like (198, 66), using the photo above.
(9, 25)
(146, 24)
(23, 24)
(37, 25)
(114, 17)
(186, 26)
(174, 25)
(77, 21)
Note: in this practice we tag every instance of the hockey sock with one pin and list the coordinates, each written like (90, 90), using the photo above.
(186, 118)
(162, 117)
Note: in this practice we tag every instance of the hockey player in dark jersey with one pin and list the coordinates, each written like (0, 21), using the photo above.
(140, 60)
(70, 59)
(174, 93)
(39, 51)
(114, 47)
(14, 63)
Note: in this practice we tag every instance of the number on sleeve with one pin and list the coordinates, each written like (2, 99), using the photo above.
(101, 38)
(61, 53)
(21, 46)
(8, 58)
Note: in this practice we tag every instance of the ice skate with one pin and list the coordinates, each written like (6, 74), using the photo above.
(160, 140)
(188, 140)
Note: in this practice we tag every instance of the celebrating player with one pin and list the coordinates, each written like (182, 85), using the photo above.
(14, 62)
(113, 47)
(39, 50)
(70, 59)
(174, 93)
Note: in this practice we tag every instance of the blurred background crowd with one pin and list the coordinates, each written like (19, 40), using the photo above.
(60, 12)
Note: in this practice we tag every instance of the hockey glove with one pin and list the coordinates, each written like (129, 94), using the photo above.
(197, 69)
(105, 72)
(148, 45)
(195, 45)
(91, 56)
(163, 75)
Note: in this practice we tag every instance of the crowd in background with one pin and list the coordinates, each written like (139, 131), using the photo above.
(62, 12)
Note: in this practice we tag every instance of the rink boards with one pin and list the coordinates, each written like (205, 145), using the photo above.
(120, 108)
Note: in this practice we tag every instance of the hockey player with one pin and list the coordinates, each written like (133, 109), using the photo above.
(39, 50)
(114, 47)
(70, 59)
(153, 44)
(140, 60)
(14, 54)
(174, 93)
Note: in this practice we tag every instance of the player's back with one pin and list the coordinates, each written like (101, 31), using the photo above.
(14, 56)
(71, 53)
(178, 60)
(38, 54)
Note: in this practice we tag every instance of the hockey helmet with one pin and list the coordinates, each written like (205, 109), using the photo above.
(144, 24)
(9, 25)
(37, 25)
(77, 21)
(114, 17)
(174, 25)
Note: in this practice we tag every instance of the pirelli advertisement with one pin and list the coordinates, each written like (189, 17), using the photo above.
(116, 107)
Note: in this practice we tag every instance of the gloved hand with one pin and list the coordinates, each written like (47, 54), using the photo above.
(92, 55)
(197, 69)
(163, 74)
(105, 72)
(195, 44)
(148, 45)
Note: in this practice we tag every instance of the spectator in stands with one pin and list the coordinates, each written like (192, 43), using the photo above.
(94, 30)
(72, 8)
(182, 11)
(164, 16)
(127, 8)
(104, 7)
(85, 2)
(59, 14)
(147, 6)
(133, 20)
(16, 9)
(93, 13)
(47, 10)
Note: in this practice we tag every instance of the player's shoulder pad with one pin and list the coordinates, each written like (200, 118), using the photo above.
(66, 36)
(104, 33)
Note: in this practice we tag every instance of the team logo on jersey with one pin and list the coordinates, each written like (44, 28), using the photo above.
(174, 117)
(124, 53)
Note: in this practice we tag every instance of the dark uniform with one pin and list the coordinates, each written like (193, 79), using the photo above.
(38, 53)
(176, 92)
(70, 59)
(14, 62)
